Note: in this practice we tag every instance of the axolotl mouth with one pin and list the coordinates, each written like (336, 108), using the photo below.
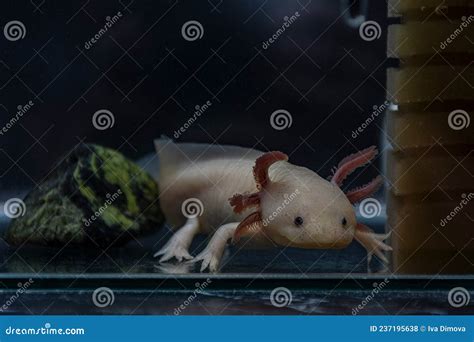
(343, 240)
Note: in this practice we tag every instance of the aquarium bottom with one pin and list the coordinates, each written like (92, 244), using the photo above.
(235, 295)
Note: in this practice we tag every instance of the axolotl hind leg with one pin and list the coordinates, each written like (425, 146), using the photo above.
(178, 245)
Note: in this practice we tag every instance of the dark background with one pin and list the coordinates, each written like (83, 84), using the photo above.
(150, 78)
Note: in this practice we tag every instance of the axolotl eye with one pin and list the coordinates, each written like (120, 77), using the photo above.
(298, 221)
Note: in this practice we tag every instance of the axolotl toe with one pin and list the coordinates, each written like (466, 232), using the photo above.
(256, 199)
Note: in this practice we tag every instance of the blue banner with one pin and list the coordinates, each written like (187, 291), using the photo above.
(237, 328)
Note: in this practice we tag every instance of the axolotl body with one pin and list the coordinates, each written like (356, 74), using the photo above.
(256, 199)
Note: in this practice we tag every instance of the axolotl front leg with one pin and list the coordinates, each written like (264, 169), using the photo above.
(250, 226)
(211, 255)
(371, 241)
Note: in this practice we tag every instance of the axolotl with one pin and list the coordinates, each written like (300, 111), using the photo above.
(257, 199)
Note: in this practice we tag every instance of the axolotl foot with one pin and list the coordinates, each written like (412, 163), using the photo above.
(210, 259)
(372, 242)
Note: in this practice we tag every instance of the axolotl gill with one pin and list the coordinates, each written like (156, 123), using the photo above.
(256, 199)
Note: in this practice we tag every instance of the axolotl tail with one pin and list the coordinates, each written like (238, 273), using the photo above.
(174, 157)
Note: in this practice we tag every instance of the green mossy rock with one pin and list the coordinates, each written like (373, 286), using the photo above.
(95, 196)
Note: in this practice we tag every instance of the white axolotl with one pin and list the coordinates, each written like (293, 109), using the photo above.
(257, 199)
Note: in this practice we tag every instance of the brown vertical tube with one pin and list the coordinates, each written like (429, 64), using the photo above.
(430, 165)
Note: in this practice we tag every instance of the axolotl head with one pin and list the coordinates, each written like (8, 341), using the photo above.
(301, 209)
(296, 207)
